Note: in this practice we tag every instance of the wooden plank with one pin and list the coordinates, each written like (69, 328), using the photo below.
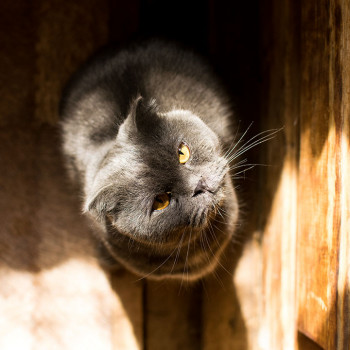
(342, 19)
(172, 316)
(17, 62)
(53, 292)
(223, 324)
(231, 306)
(278, 213)
(127, 316)
(248, 287)
(320, 185)
(68, 32)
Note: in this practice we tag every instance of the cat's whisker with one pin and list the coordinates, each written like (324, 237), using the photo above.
(242, 171)
(251, 143)
(217, 228)
(158, 267)
(186, 259)
(247, 148)
(243, 161)
(178, 250)
(269, 132)
(212, 232)
(202, 245)
(233, 141)
(217, 277)
(233, 167)
(218, 261)
(219, 221)
(239, 178)
(219, 212)
(205, 251)
(240, 139)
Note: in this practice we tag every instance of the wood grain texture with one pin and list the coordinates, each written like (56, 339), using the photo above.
(67, 33)
(322, 189)
(291, 289)
(223, 325)
(172, 316)
(318, 202)
(16, 88)
(280, 109)
(343, 300)
(307, 55)
(53, 292)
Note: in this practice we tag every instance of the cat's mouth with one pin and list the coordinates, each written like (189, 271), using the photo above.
(204, 218)
(201, 217)
(207, 210)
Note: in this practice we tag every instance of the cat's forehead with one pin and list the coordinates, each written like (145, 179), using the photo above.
(185, 124)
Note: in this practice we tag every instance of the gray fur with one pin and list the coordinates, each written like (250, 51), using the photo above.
(124, 116)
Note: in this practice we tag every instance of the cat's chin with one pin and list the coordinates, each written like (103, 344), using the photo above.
(181, 261)
(201, 220)
(204, 215)
(196, 251)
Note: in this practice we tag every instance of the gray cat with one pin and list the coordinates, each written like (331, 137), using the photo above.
(145, 131)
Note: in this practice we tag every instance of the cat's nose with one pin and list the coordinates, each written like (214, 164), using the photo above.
(201, 187)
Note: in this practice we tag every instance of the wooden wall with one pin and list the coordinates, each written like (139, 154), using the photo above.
(305, 238)
(286, 63)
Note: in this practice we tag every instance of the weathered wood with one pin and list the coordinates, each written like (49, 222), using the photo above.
(318, 202)
(342, 22)
(127, 316)
(67, 33)
(293, 281)
(53, 292)
(172, 316)
(248, 283)
(323, 189)
(16, 76)
(311, 75)
(280, 109)
(222, 320)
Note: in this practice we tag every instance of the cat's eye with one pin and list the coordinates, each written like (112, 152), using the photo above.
(161, 201)
(184, 153)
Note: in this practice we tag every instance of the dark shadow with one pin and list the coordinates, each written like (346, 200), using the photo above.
(42, 225)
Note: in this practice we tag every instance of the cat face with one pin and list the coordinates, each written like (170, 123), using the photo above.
(161, 185)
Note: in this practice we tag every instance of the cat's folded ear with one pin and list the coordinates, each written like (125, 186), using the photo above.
(143, 115)
(100, 205)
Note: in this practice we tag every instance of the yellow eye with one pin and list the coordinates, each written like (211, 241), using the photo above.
(161, 201)
(184, 153)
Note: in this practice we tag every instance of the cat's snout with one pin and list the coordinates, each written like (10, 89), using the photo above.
(201, 187)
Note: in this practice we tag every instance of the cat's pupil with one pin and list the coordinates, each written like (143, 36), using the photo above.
(161, 201)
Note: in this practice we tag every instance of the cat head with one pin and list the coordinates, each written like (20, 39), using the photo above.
(165, 175)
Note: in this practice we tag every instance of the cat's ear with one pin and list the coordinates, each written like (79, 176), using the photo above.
(143, 115)
(100, 205)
